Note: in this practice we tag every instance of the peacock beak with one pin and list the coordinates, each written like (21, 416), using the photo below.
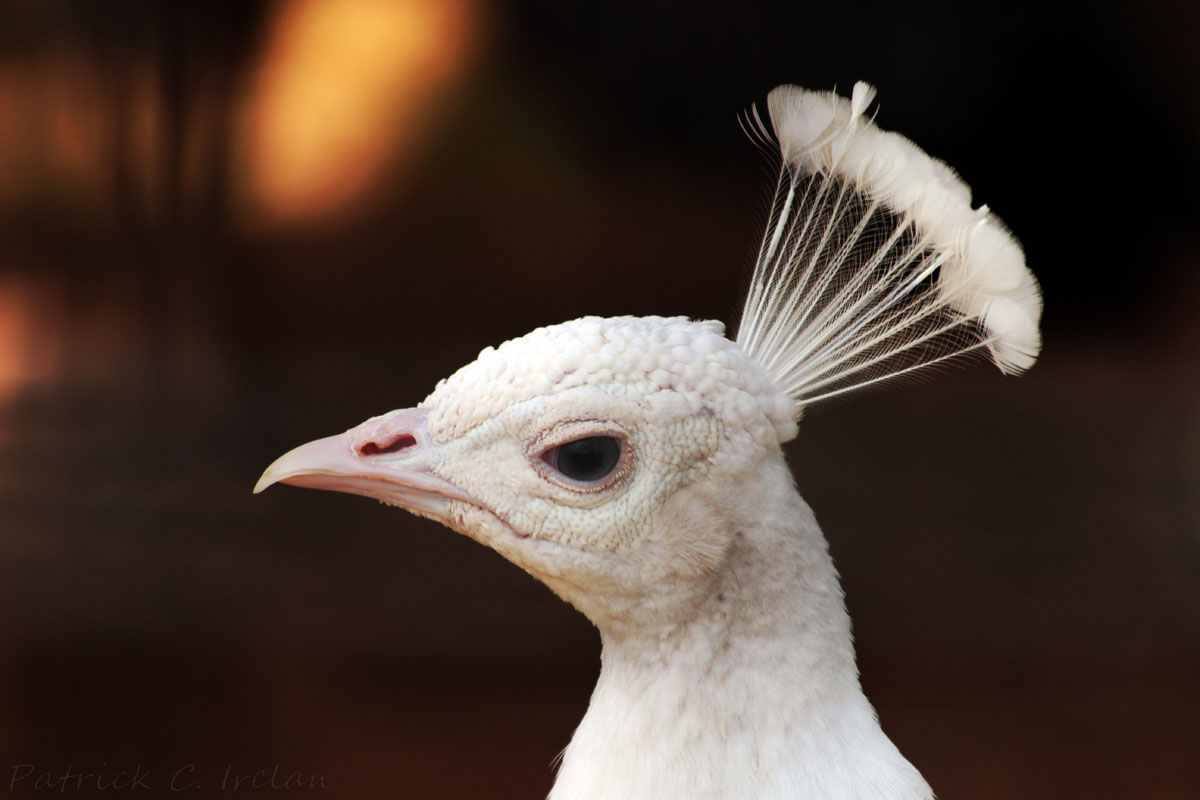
(387, 458)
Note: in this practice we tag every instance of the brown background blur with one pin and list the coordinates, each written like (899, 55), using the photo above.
(230, 227)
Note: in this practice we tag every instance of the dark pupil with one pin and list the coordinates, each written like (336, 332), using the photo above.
(588, 459)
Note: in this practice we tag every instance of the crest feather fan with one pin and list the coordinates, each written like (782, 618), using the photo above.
(874, 264)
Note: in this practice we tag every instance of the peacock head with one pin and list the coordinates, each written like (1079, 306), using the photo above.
(604, 456)
(611, 457)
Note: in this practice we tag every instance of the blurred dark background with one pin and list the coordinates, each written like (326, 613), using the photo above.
(230, 227)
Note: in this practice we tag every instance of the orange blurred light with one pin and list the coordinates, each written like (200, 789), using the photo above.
(26, 330)
(340, 93)
(12, 350)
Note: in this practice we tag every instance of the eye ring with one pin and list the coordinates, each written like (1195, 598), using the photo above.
(589, 463)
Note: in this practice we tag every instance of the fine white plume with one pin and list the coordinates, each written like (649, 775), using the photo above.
(874, 264)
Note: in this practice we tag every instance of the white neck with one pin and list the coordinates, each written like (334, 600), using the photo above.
(756, 695)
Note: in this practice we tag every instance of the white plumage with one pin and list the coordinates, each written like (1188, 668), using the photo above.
(634, 465)
(874, 264)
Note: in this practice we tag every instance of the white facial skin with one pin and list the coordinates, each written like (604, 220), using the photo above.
(684, 403)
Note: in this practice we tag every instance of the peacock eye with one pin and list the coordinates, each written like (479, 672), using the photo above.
(587, 460)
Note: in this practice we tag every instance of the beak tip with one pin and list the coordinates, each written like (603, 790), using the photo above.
(267, 480)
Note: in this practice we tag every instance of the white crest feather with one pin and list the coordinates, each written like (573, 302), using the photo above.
(874, 264)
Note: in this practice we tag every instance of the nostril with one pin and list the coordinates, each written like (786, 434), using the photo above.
(393, 445)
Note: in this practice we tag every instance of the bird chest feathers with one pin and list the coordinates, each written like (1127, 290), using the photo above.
(635, 466)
